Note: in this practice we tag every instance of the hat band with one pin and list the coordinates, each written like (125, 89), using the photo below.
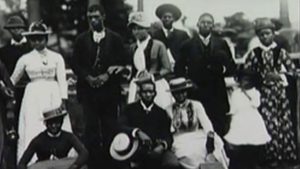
(180, 86)
(53, 113)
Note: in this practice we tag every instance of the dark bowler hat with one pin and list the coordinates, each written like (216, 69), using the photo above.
(15, 22)
(168, 8)
(58, 112)
(179, 84)
(37, 28)
(123, 147)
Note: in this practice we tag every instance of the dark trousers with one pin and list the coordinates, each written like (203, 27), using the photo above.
(244, 157)
(101, 120)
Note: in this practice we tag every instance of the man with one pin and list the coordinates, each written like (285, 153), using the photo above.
(149, 123)
(9, 55)
(170, 36)
(97, 60)
(206, 59)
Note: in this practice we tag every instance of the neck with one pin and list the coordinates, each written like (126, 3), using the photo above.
(205, 35)
(168, 27)
(147, 104)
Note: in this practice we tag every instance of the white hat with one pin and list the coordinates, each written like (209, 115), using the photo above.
(123, 147)
(37, 28)
(138, 18)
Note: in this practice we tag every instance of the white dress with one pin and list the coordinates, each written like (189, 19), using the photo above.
(44, 92)
(247, 126)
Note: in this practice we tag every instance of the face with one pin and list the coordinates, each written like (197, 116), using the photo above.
(205, 24)
(167, 19)
(147, 93)
(139, 32)
(38, 42)
(54, 125)
(96, 20)
(266, 36)
(16, 33)
(180, 96)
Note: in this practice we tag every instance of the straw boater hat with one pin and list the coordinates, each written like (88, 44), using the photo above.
(144, 77)
(37, 28)
(179, 84)
(263, 23)
(15, 22)
(123, 147)
(168, 8)
(138, 18)
(58, 112)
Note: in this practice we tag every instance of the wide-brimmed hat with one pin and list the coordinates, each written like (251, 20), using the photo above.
(138, 18)
(263, 23)
(179, 84)
(123, 147)
(58, 112)
(168, 8)
(37, 29)
(15, 22)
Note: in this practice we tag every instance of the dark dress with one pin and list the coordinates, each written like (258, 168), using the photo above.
(274, 106)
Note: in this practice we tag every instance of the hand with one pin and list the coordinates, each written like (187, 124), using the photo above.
(115, 69)
(91, 80)
(273, 77)
(159, 149)
(144, 137)
(101, 79)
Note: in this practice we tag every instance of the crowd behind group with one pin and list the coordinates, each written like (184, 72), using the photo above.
(178, 115)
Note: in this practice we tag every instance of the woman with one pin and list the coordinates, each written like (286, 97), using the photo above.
(148, 55)
(59, 143)
(195, 141)
(47, 88)
(269, 61)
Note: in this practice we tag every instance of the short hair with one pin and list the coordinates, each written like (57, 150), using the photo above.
(206, 14)
(95, 8)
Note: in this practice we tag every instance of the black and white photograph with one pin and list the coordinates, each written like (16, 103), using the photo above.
(149, 84)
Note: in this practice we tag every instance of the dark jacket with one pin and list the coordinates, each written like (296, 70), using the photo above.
(205, 67)
(173, 42)
(156, 123)
(111, 53)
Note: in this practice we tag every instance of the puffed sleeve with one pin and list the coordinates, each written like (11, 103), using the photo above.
(61, 77)
(18, 71)
(202, 117)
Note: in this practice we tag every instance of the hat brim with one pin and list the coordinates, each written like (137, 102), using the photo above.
(36, 33)
(186, 87)
(52, 117)
(116, 156)
(168, 8)
(141, 24)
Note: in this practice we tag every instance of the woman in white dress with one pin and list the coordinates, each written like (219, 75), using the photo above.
(195, 141)
(47, 89)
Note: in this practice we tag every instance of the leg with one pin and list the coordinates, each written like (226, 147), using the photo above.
(170, 161)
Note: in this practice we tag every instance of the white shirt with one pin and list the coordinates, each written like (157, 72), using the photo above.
(205, 40)
(167, 32)
(13, 42)
(98, 36)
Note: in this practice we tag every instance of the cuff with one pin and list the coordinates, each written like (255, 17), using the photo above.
(134, 132)
(224, 69)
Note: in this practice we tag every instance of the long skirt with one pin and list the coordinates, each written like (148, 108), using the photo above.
(39, 96)
(276, 113)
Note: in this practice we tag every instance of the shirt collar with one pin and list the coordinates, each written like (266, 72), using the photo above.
(22, 41)
(267, 48)
(205, 40)
(54, 135)
(98, 36)
(147, 109)
(166, 31)
(182, 105)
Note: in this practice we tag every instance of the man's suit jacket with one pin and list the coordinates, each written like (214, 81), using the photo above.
(111, 53)
(173, 42)
(206, 69)
(156, 123)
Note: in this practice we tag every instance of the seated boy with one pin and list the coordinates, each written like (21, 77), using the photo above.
(54, 143)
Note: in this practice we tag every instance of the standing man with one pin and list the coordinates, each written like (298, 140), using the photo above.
(206, 59)
(97, 62)
(170, 36)
(9, 55)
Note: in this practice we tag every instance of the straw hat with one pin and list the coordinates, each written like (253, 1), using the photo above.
(37, 28)
(15, 22)
(123, 147)
(180, 83)
(138, 18)
(168, 8)
(58, 112)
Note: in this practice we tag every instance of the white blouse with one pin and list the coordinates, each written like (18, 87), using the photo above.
(44, 64)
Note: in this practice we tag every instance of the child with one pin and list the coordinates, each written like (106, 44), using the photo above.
(54, 143)
(247, 131)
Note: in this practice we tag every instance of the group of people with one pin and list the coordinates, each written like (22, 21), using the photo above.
(179, 114)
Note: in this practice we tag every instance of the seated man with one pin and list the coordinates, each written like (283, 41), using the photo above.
(54, 143)
(151, 125)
